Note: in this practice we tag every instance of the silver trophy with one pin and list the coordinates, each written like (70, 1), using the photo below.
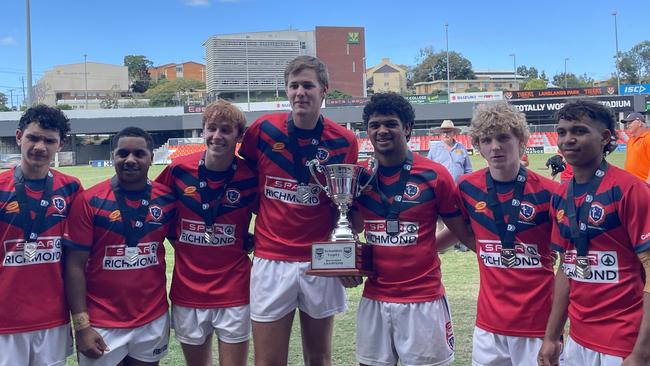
(343, 255)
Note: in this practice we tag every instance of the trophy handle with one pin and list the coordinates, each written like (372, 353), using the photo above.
(314, 165)
(372, 167)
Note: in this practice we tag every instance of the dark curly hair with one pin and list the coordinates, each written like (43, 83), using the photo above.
(133, 132)
(47, 117)
(598, 112)
(387, 104)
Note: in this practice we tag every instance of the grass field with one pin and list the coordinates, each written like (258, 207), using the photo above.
(459, 274)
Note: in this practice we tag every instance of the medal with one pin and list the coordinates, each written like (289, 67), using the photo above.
(302, 193)
(131, 254)
(29, 251)
(508, 257)
(392, 227)
(208, 234)
(582, 267)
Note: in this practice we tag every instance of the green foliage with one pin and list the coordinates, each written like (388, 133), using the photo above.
(528, 72)
(634, 65)
(64, 107)
(472, 90)
(433, 66)
(534, 84)
(337, 94)
(138, 66)
(170, 93)
(3, 103)
(571, 80)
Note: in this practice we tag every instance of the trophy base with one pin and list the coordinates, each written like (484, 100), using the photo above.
(340, 258)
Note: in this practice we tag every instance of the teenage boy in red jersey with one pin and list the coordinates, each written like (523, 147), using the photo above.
(601, 227)
(216, 192)
(398, 213)
(507, 207)
(293, 214)
(34, 204)
(115, 267)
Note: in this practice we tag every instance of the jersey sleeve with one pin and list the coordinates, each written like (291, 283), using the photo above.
(78, 232)
(353, 153)
(248, 149)
(458, 198)
(166, 177)
(634, 215)
(445, 188)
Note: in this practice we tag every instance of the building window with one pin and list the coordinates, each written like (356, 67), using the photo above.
(303, 45)
(386, 83)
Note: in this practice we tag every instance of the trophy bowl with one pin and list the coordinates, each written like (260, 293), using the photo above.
(343, 254)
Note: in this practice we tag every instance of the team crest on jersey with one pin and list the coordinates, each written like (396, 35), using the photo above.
(278, 146)
(480, 206)
(233, 196)
(411, 191)
(12, 207)
(189, 190)
(596, 214)
(59, 203)
(322, 154)
(559, 215)
(527, 211)
(156, 212)
(114, 216)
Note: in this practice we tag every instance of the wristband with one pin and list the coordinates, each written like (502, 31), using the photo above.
(80, 321)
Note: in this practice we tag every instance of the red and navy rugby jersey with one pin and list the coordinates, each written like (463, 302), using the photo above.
(512, 301)
(217, 273)
(32, 291)
(605, 309)
(285, 228)
(120, 294)
(406, 265)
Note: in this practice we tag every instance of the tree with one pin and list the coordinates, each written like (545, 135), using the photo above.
(433, 66)
(634, 65)
(535, 84)
(528, 72)
(64, 107)
(337, 94)
(175, 92)
(3, 103)
(571, 80)
(585, 81)
(138, 66)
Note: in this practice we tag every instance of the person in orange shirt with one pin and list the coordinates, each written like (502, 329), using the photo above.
(637, 160)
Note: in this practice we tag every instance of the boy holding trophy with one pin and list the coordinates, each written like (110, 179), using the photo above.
(398, 215)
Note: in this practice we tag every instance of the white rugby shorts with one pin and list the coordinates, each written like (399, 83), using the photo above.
(577, 355)
(413, 333)
(193, 325)
(39, 347)
(147, 343)
(490, 349)
(278, 288)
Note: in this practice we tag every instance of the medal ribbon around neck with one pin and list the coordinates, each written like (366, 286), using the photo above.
(506, 231)
(392, 211)
(209, 214)
(133, 231)
(300, 170)
(32, 228)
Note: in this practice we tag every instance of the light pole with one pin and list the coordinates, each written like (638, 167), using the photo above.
(565, 60)
(447, 41)
(618, 79)
(86, 79)
(514, 66)
(28, 46)
(248, 88)
(365, 79)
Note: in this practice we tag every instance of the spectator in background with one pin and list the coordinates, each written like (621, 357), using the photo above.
(637, 160)
(449, 152)
(557, 165)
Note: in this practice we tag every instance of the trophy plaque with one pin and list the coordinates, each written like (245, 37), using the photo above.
(343, 254)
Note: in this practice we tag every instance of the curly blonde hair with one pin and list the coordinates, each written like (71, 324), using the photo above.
(493, 118)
